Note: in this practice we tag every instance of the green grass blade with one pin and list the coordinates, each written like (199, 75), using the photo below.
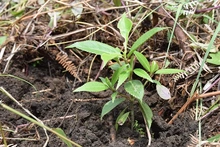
(204, 59)
(37, 123)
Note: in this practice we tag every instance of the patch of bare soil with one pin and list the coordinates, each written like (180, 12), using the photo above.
(78, 114)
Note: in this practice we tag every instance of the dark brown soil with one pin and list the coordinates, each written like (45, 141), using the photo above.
(82, 123)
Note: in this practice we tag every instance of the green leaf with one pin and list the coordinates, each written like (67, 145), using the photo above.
(61, 132)
(143, 74)
(125, 26)
(143, 60)
(163, 92)
(122, 78)
(113, 96)
(144, 38)
(95, 47)
(117, 69)
(116, 65)
(2, 39)
(119, 116)
(147, 113)
(215, 138)
(215, 58)
(135, 88)
(18, 13)
(156, 82)
(168, 71)
(106, 81)
(115, 76)
(154, 67)
(122, 119)
(117, 2)
(111, 105)
(167, 63)
(107, 57)
(92, 87)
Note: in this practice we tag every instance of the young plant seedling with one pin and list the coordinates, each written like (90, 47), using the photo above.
(123, 70)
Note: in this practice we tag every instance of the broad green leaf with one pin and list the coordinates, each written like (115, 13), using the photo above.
(147, 113)
(154, 67)
(122, 119)
(119, 116)
(135, 88)
(61, 132)
(144, 38)
(111, 105)
(143, 60)
(125, 26)
(107, 57)
(122, 78)
(215, 58)
(168, 71)
(92, 87)
(163, 92)
(143, 74)
(95, 47)
(2, 39)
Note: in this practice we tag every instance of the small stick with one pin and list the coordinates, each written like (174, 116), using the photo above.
(190, 100)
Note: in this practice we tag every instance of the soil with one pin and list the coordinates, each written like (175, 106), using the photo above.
(81, 112)
(78, 114)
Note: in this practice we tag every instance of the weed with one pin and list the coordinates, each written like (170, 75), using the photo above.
(138, 128)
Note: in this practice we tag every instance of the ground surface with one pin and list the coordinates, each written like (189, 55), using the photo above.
(82, 123)
(78, 114)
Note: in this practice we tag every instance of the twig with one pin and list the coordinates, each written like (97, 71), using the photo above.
(207, 9)
(190, 100)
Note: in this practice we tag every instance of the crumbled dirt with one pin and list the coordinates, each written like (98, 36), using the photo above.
(82, 123)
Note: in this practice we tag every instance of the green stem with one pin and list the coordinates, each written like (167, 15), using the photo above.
(3, 135)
